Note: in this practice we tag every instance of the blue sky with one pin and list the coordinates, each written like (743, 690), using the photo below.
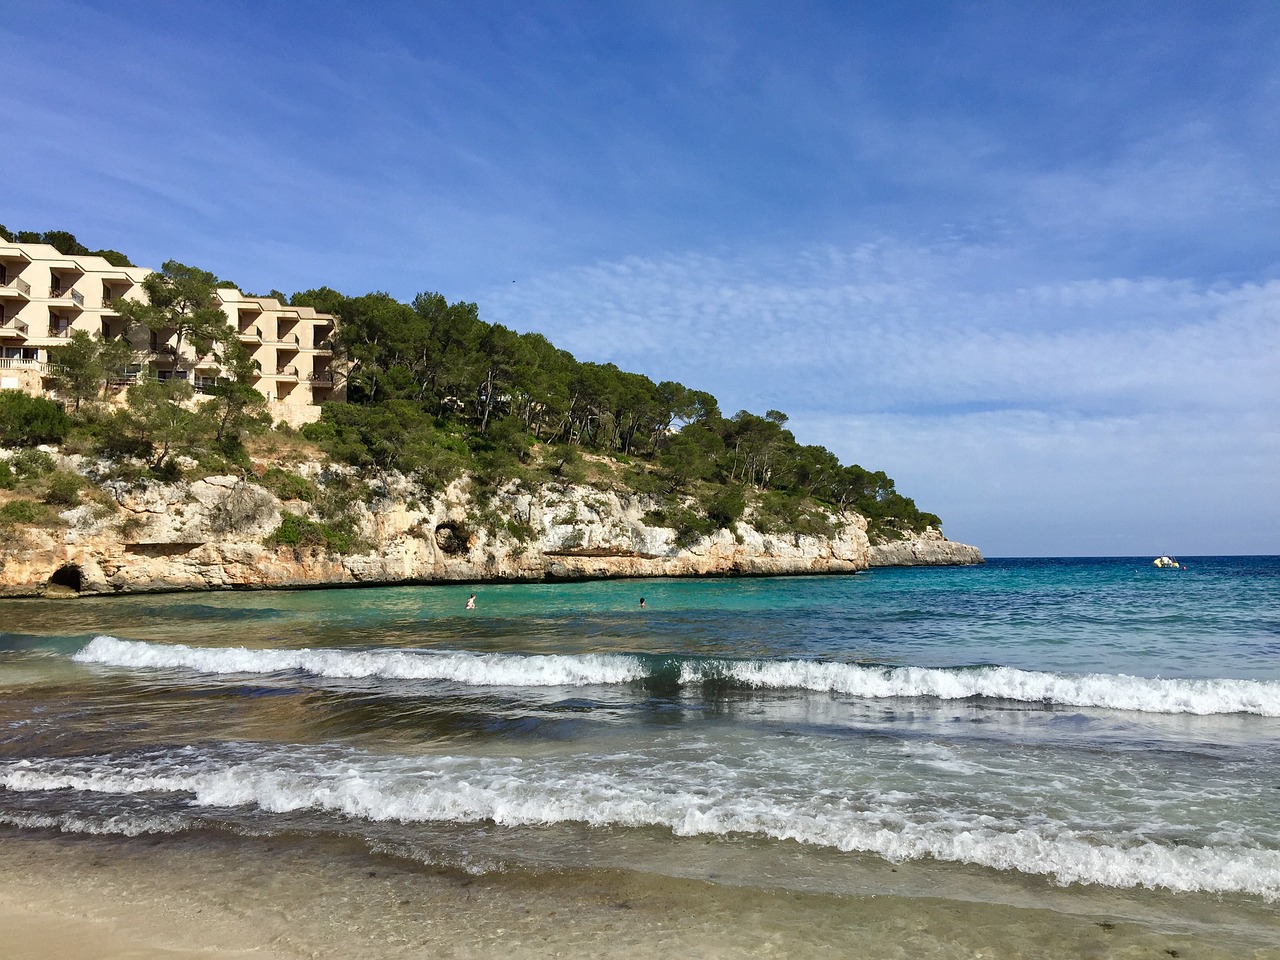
(1021, 256)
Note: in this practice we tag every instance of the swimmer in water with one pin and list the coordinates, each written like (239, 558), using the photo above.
(471, 602)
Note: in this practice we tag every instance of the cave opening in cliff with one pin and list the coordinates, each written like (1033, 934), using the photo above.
(68, 576)
(453, 538)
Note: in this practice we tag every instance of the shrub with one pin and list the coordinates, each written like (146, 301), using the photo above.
(689, 525)
(31, 464)
(63, 489)
(130, 526)
(295, 531)
(288, 486)
(245, 506)
(27, 421)
(726, 506)
(8, 480)
(779, 512)
(24, 511)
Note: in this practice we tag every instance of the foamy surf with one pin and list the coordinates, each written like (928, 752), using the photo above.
(1108, 691)
(642, 791)
(476, 669)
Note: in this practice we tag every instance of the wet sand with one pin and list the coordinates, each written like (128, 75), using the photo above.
(90, 897)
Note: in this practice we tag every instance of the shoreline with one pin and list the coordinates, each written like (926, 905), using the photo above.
(57, 592)
(187, 898)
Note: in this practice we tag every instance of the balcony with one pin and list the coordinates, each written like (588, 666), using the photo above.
(320, 376)
(13, 327)
(287, 373)
(25, 363)
(209, 386)
(15, 288)
(57, 329)
(68, 293)
(323, 346)
(250, 335)
(130, 374)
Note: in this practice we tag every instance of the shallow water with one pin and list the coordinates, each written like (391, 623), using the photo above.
(1082, 738)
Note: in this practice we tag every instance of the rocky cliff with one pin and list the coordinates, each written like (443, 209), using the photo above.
(211, 533)
(214, 533)
(930, 548)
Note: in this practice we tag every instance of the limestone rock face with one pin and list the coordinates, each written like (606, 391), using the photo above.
(931, 548)
(211, 534)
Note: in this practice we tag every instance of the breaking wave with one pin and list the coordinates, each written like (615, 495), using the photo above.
(1108, 691)
(622, 792)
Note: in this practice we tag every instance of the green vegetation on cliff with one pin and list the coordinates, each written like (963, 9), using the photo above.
(434, 391)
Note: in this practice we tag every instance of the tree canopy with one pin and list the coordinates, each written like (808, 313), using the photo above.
(65, 243)
(432, 375)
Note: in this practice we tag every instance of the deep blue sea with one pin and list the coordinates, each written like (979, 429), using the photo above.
(1021, 732)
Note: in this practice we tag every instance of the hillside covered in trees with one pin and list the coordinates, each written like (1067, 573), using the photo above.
(435, 392)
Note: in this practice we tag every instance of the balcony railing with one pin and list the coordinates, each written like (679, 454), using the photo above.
(209, 385)
(320, 376)
(15, 325)
(77, 297)
(251, 333)
(17, 283)
(23, 363)
(287, 373)
(134, 373)
(60, 330)
(325, 344)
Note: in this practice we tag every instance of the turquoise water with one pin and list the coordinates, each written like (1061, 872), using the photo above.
(1017, 728)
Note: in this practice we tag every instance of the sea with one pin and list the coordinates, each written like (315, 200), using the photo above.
(1030, 757)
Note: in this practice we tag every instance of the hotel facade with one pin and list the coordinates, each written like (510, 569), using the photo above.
(45, 296)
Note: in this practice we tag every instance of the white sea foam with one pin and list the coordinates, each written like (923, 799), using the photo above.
(1109, 691)
(551, 670)
(119, 825)
(641, 791)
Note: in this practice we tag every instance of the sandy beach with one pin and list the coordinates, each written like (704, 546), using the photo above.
(70, 898)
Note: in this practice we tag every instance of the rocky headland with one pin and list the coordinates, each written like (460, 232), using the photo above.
(928, 549)
(216, 533)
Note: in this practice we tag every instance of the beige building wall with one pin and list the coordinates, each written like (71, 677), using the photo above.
(45, 296)
(292, 348)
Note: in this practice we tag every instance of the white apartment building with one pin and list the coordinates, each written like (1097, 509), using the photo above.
(45, 296)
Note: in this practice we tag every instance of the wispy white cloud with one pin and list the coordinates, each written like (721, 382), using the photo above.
(914, 328)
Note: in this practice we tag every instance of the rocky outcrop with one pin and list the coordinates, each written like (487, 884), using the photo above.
(930, 548)
(213, 533)
(210, 534)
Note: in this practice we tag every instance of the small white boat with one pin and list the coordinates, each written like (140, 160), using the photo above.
(1166, 562)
